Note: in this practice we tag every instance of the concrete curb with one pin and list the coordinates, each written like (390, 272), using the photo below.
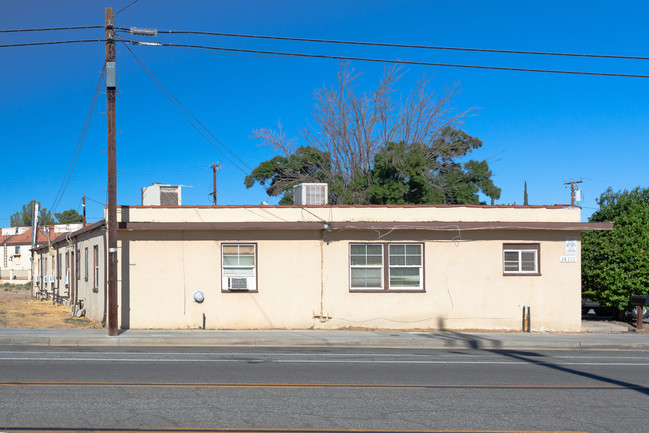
(337, 339)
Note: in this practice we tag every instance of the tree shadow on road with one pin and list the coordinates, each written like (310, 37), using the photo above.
(494, 346)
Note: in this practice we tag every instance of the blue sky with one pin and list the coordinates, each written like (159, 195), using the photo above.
(541, 128)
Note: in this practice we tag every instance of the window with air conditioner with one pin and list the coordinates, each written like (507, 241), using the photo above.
(239, 267)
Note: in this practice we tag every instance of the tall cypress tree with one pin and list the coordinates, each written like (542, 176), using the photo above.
(525, 203)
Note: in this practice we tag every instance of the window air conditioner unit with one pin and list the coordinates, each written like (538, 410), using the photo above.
(240, 283)
(316, 194)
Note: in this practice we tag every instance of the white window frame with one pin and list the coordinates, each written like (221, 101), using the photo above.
(386, 268)
(251, 270)
(406, 266)
(95, 259)
(520, 249)
(366, 266)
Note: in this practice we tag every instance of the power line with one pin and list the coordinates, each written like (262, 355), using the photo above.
(98, 202)
(393, 45)
(126, 7)
(47, 29)
(77, 150)
(375, 60)
(179, 105)
(28, 44)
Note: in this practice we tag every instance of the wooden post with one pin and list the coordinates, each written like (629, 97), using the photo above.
(84, 210)
(638, 321)
(112, 180)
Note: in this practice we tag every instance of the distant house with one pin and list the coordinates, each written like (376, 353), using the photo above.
(16, 243)
(329, 267)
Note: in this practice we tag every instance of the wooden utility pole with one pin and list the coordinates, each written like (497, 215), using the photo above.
(216, 167)
(572, 189)
(84, 210)
(112, 173)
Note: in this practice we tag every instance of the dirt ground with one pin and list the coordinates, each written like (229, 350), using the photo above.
(19, 310)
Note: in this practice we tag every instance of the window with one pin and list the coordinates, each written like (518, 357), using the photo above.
(239, 267)
(95, 261)
(404, 270)
(85, 275)
(58, 266)
(366, 266)
(77, 265)
(66, 277)
(521, 259)
(17, 250)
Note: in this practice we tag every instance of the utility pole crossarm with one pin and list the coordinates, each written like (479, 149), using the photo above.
(572, 184)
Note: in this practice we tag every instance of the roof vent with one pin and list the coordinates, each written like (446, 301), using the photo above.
(316, 194)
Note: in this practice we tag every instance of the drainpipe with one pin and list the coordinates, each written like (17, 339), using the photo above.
(322, 276)
(323, 318)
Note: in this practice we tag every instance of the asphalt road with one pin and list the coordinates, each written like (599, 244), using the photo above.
(323, 389)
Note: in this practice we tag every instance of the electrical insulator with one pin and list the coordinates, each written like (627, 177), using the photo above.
(141, 31)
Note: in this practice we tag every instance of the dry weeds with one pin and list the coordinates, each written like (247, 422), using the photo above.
(19, 310)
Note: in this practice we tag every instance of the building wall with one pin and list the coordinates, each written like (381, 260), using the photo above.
(9, 231)
(464, 283)
(19, 265)
(78, 287)
(92, 294)
(15, 262)
(350, 213)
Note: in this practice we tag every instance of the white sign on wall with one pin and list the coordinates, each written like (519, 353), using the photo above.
(572, 245)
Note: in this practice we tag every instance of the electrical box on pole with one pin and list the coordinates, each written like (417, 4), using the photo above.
(111, 76)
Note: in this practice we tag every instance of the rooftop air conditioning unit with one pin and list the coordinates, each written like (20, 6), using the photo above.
(310, 194)
(161, 195)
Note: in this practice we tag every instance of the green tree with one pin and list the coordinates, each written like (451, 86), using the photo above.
(615, 263)
(279, 174)
(419, 174)
(401, 173)
(350, 128)
(375, 148)
(525, 202)
(70, 216)
(23, 218)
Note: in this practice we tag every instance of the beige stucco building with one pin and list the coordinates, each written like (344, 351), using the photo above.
(333, 267)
